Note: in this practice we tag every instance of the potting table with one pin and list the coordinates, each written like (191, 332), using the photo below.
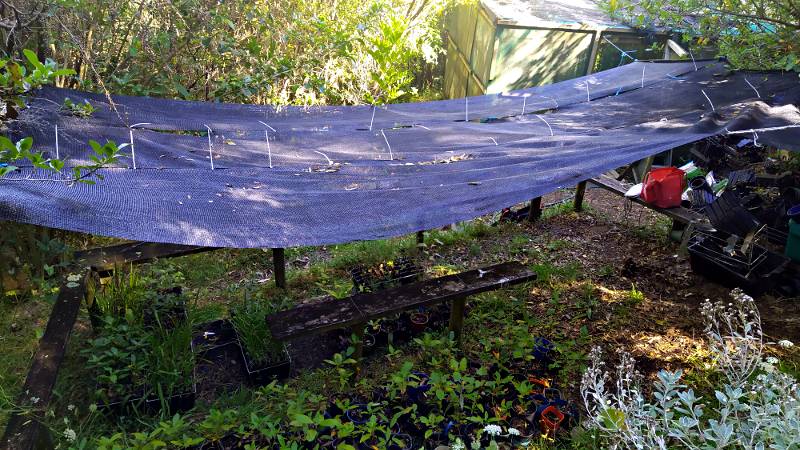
(332, 313)
(678, 214)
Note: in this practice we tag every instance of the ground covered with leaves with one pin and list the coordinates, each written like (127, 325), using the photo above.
(606, 277)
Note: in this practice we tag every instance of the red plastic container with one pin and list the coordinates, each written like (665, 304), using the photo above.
(663, 187)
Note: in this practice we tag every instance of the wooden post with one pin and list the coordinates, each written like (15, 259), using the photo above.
(279, 264)
(457, 317)
(535, 211)
(420, 240)
(596, 36)
(580, 191)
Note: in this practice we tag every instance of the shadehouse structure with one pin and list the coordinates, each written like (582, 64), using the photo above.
(200, 175)
(501, 45)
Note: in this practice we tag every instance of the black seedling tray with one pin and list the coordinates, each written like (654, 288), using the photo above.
(261, 376)
(706, 259)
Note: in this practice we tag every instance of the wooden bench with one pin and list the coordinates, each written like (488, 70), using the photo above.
(331, 313)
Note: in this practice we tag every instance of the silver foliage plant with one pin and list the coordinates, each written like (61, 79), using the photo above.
(758, 407)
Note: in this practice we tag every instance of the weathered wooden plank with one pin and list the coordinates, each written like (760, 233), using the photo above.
(331, 313)
(24, 431)
(103, 259)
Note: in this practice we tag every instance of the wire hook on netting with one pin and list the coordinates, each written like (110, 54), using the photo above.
(545, 122)
(709, 100)
(692, 56)
(391, 156)
(57, 154)
(130, 135)
(466, 109)
(266, 137)
(644, 67)
(330, 163)
(373, 118)
(210, 153)
(524, 101)
(753, 87)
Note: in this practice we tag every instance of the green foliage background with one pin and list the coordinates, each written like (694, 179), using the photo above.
(304, 52)
(762, 34)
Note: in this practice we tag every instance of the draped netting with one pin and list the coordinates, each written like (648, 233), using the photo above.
(291, 176)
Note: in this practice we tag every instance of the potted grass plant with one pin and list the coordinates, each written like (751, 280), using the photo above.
(171, 360)
(265, 357)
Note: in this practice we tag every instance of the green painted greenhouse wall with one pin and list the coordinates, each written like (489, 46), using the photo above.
(530, 57)
(486, 58)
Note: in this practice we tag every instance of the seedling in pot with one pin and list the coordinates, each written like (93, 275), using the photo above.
(118, 357)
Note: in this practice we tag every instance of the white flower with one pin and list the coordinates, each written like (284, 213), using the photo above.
(785, 343)
(492, 430)
(35, 400)
(458, 444)
(73, 277)
(513, 432)
(70, 435)
(71, 407)
(772, 360)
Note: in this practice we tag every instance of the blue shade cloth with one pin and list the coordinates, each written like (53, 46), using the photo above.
(344, 173)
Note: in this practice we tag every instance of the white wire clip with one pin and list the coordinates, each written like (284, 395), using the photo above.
(210, 153)
(266, 136)
(57, 155)
(754, 88)
(709, 100)
(391, 156)
(130, 134)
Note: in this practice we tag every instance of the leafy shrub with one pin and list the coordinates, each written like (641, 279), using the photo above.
(757, 407)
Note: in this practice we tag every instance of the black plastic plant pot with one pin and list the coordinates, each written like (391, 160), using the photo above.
(357, 414)
(261, 375)
(419, 321)
(401, 441)
(416, 394)
(211, 336)
(174, 403)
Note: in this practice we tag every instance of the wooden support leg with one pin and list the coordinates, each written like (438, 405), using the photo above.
(457, 317)
(359, 350)
(279, 263)
(420, 239)
(535, 211)
(26, 432)
(580, 191)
